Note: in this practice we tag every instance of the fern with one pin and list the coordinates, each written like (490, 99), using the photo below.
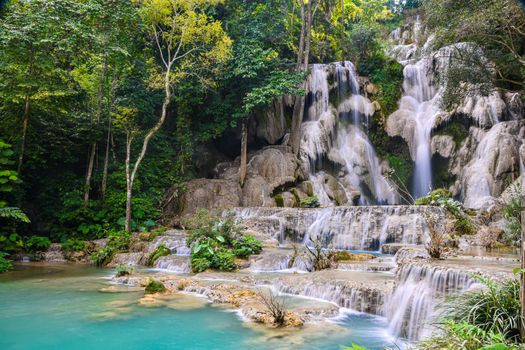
(13, 213)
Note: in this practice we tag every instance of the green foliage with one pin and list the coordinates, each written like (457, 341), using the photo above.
(215, 241)
(458, 131)
(494, 309)
(161, 250)
(310, 202)
(154, 286)
(36, 244)
(463, 224)
(246, 245)
(117, 241)
(14, 214)
(11, 243)
(401, 168)
(5, 264)
(122, 271)
(353, 347)
(279, 200)
(512, 214)
(389, 78)
(73, 245)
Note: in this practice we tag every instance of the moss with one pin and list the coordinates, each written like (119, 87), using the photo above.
(343, 255)
(457, 130)
(122, 271)
(279, 200)
(154, 286)
(295, 194)
(310, 202)
(389, 80)
(161, 250)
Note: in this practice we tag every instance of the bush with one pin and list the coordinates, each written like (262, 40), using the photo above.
(37, 244)
(246, 245)
(11, 243)
(103, 256)
(73, 245)
(200, 264)
(310, 202)
(161, 250)
(154, 286)
(279, 200)
(494, 309)
(512, 214)
(224, 259)
(122, 271)
(5, 264)
(119, 240)
(215, 241)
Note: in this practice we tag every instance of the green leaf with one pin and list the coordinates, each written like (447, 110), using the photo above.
(220, 239)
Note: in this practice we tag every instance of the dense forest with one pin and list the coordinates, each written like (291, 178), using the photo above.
(378, 123)
(106, 104)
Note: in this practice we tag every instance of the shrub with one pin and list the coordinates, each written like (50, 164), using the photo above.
(512, 214)
(154, 286)
(122, 271)
(279, 200)
(319, 258)
(11, 243)
(224, 259)
(37, 244)
(246, 245)
(103, 256)
(5, 264)
(119, 240)
(216, 241)
(276, 306)
(200, 264)
(494, 309)
(310, 202)
(73, 245)
(161, 250)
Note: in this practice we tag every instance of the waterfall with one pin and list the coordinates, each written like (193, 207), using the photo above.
(348, 228)
(336, 132)
(410, 309)
(419, 100)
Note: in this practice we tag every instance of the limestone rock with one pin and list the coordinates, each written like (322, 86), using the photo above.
(411, 254)
(443, 145)
(271, 124)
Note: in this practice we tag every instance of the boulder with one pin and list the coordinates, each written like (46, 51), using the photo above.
(411, 254)
(443, 145)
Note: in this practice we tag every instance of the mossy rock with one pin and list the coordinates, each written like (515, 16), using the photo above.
(279, 200)
(154, 286)
(343, 255)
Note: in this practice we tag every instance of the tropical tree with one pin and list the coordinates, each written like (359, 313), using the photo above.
(186, 38)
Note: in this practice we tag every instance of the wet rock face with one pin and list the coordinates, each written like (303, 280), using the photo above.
(267, 169)
(365, 227)
(487, 162)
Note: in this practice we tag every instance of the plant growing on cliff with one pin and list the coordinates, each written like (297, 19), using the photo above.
(216, 241)
(276, 306)
(310, 202)
(320, 258)
(512, 214)
(487, 318)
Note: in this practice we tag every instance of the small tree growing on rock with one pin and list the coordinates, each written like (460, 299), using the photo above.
(276, 306)
(319, 258)
(437, 234)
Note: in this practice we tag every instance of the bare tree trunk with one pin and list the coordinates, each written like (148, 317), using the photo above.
(109, 136)
(129, 183)
(25, 123)
(303, 58)
(130, 178)
(343, 32)
(89, 170)
(244, 151)
(522, 275)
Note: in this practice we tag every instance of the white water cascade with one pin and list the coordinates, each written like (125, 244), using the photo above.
(411, 308)
(336, 132)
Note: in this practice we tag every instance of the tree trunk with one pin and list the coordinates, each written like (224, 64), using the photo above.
(522, 275)
(131, 177)
(129, 182)
(244, 151)
(303, 58)
(343, 32)
(106, 163)
(25, 123)
(89, 170)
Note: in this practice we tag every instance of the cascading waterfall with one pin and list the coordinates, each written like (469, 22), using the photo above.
(419, 99)
(411, 307)
(337, 132)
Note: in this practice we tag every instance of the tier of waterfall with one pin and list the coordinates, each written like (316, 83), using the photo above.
(412, 306)
(334, 130)
(351, 228)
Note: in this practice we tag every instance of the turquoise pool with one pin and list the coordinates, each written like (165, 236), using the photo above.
(62, 307)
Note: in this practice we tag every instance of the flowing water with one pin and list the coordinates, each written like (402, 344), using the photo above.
(62, 307)
(337, 130)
